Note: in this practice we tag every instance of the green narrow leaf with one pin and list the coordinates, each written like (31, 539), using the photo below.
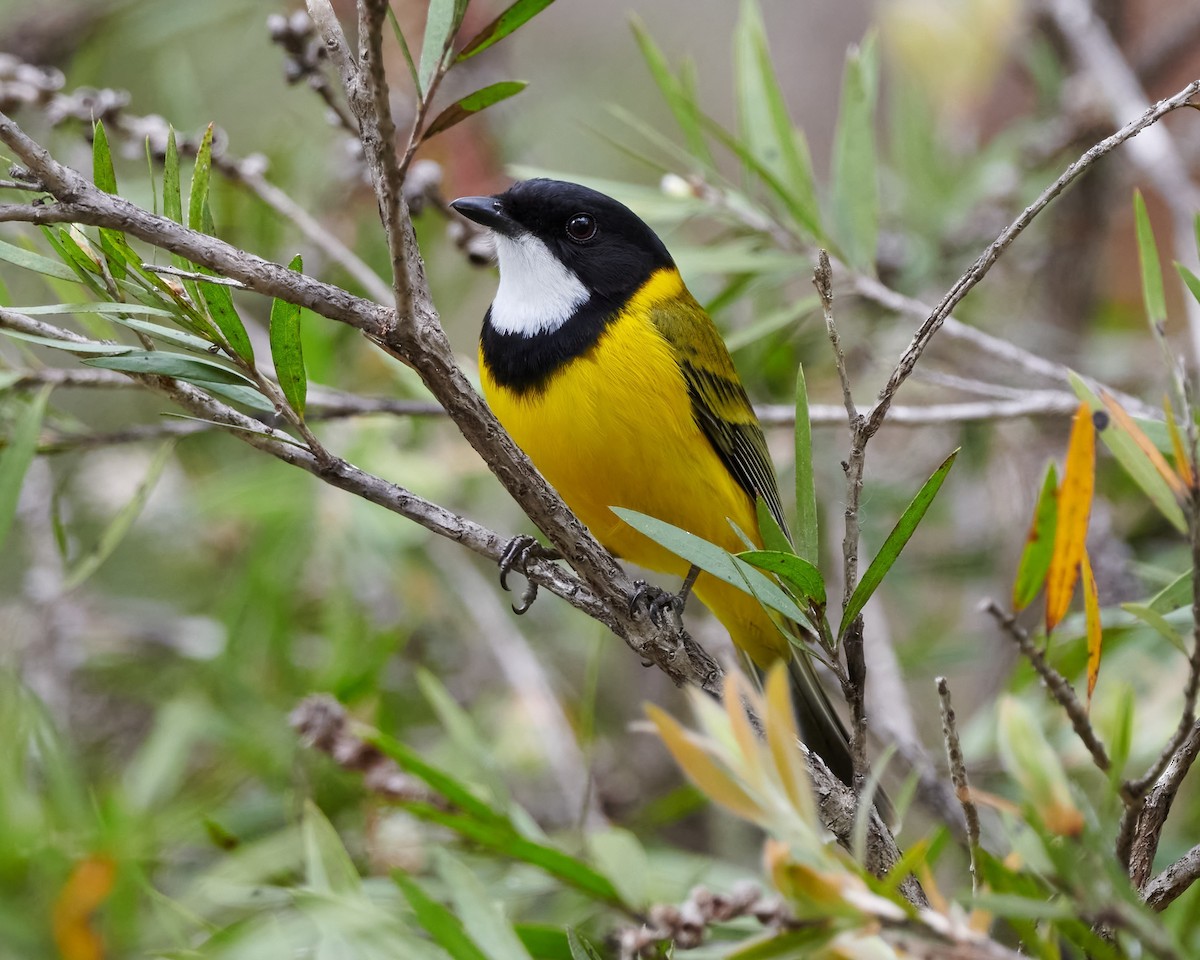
(201, 175)
(544, 941)
(69, 346)
(855, 178)
(86, 268)
(440, 26)
(170, 335)
(807, 542)
(517, 15)
(120, 524)
(242, 395)
(439, 922)
(105, 177)
(165, 364)
(151, 180)
(479, 765)
(763, 115)
(286, 350)
(804, 942)
(1039, 545)
(890, 551)
(755, 166)
(408, 57)
(1175, 595)
(17, 455)
(327, 865)
(28, 260)
(796, 571)
(456, 792)
(1158, 623)
(473, 103)
(581, 949)
(103, 174)
(1190, 280)
(1120, 736)
(770, 322)
(1133, 459)
(502, 839)
(1152, 279)
(172, 200)
(219, 300)
(481, 916)
(620, 855)
(712, 559)
(774, 537)
(680, 97)
(118, 309)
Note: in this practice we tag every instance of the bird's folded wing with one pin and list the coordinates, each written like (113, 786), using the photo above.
(719, 402)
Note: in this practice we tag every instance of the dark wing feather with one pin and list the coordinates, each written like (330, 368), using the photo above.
(719, 402)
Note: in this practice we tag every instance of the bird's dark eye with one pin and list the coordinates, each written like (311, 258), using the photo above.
(581, 227)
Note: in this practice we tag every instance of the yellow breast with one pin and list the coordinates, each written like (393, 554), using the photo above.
(614, 427)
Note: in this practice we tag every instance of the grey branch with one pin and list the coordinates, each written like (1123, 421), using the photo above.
(1156, 808)
(1058, 687)
(1163, 890)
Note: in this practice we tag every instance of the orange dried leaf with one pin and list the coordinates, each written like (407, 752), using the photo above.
(1125, 422)
(1091, 606)
(701, 768)
(1182, 462)
(734, 697)
(86, 889)
(1074, 507)
(783, 739)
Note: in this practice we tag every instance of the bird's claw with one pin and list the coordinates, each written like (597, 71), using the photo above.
(518, 552)
(657, 602)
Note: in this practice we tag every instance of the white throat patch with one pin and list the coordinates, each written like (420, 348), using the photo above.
(537, 294)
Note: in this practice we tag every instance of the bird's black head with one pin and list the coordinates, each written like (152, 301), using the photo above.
(599, 241)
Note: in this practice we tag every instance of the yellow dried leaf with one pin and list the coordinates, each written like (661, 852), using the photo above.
(86, 889)
(699, 766)
(1183, 462)
(736, 695)
(1125, 422)
(814, 894)
(1074, 507)
(1095, 639)
(783, 739)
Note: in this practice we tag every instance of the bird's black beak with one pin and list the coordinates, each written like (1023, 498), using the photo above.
(488, 212)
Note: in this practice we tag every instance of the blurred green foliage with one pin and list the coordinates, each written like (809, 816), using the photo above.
(164, 608)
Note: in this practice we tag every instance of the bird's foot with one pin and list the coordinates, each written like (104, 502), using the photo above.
(518, 552)
(657, 602)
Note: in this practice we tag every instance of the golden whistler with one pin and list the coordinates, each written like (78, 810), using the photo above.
(612, 378)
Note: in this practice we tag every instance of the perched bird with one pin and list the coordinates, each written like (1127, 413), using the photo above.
(609, 374)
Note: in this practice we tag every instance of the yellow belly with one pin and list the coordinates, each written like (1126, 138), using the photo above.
(615, 428)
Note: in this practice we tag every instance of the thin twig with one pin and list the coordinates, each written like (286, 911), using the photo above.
(1155, 156)
(1059, 688)
(854, 678)
(372, 107)
(169, 271)
(958, 774)
(979, 269)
